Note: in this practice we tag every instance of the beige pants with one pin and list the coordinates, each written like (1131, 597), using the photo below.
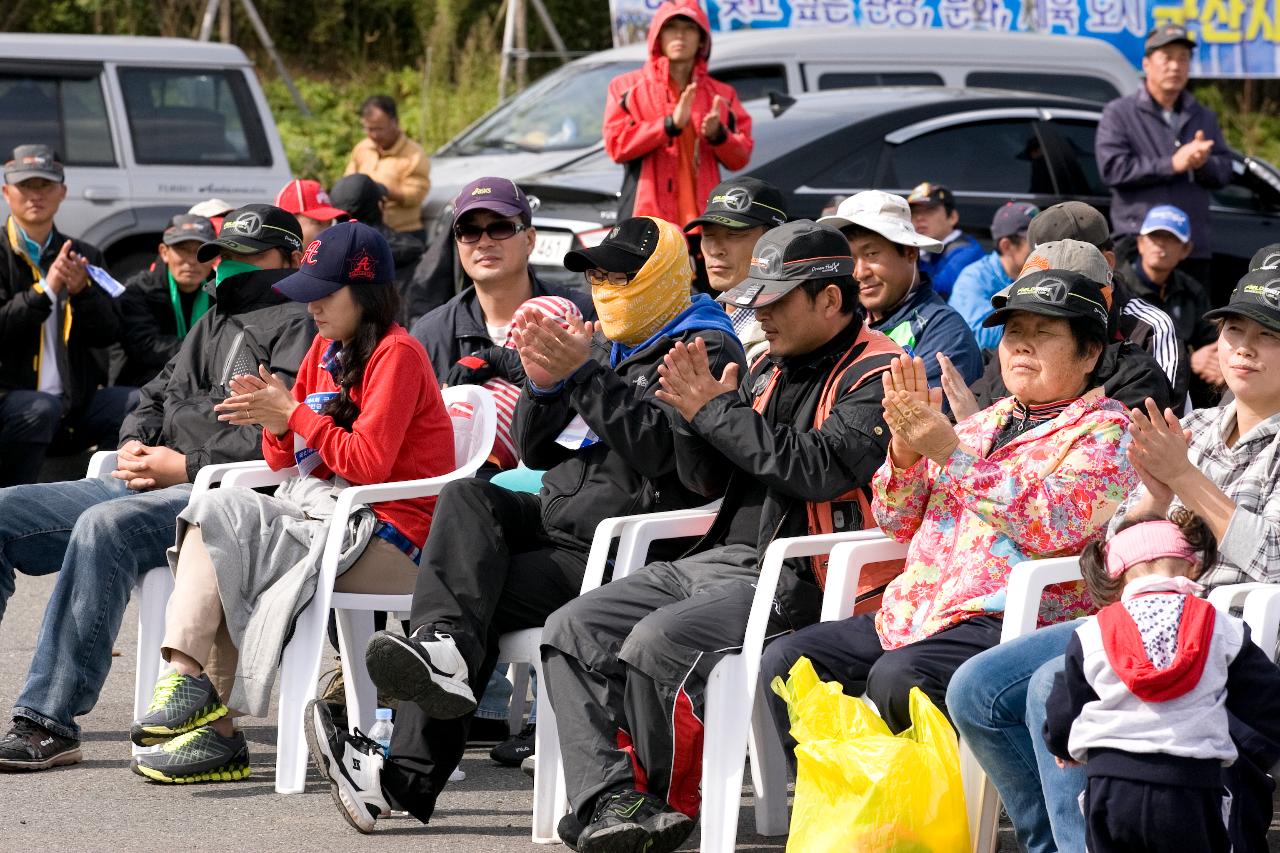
(194, 624)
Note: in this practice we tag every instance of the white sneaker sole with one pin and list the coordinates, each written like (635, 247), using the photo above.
(399, 671)
(345, 797)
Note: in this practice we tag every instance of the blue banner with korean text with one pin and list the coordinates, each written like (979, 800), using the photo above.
(1235, 38)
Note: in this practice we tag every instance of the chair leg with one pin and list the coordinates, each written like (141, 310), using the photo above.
(982, 802)
(154, 588)
(724, 754)
(549, 800)
(519, 675)
(355, 627)
(299, 669)
(768, 771)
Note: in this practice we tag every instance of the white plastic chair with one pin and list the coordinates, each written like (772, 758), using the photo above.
(1261, 610)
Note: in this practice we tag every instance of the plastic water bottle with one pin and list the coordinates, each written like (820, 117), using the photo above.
(381, 731)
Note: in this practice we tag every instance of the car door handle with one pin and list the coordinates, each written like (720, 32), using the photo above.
(102, 194)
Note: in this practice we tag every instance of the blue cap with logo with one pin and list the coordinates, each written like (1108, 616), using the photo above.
(349, 253)
(1166, 217)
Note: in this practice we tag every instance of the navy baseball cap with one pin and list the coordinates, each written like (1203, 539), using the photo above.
(1014, 217)
(349, 253)
(499, 195)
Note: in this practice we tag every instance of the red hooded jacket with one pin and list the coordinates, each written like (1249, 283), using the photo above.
(635, 131)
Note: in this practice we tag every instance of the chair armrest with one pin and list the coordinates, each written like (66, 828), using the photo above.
(1232, 595)
(101, 464)
(1262, 615)
(844, 570)
(1026, 584)
(633, 544)
(615, 528)
(242, 475)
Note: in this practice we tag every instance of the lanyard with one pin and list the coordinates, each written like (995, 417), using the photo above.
(198, 308)
(39, 287)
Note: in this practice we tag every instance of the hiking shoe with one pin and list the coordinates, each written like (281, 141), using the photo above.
(515, 749)
(179, 704)
(617, 824)
(569, 829)
(200, 755)
(30, 746)
(667, 829)
(426, 668)
(351, 763)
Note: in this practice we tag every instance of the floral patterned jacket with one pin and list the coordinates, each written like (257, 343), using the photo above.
(1044, 494)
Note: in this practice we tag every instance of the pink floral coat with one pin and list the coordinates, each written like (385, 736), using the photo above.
(1044, 494)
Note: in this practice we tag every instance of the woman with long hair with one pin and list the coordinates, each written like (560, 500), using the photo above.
(365, 409)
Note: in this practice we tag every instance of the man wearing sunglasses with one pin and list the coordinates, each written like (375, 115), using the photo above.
(494, 237)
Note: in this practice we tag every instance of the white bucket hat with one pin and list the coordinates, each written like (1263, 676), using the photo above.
(886, 214)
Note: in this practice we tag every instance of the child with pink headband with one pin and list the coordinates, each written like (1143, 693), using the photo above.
(1148, 686)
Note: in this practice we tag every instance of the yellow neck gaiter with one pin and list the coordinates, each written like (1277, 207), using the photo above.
(632, 313)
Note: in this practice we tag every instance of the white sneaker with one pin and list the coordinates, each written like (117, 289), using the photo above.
(530, 765)
(351, 763)
(426, 668)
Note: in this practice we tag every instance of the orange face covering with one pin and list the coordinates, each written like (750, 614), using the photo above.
(632, 313)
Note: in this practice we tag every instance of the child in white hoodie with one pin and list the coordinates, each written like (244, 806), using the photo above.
(1149, 681)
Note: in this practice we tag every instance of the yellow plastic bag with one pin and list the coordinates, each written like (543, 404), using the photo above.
(861, 788)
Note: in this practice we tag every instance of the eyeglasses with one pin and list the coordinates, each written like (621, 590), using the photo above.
(615, 279)
(501, 229)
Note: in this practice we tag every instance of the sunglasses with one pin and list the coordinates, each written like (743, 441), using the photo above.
(502, 229)
(616, 279)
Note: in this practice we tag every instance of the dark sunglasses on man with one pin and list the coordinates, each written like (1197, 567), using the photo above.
(499, 229)
(603, 277)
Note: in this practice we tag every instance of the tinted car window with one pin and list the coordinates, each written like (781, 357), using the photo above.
(862, 79)
(1071, 85)
(1254, 188)
(754, 81)
(991, 156)
(192, 116)
(1079, 162)
(67, 113)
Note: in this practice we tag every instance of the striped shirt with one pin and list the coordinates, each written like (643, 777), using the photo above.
(1159, 338)
(1247, 473)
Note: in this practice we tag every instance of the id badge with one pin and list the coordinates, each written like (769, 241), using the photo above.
(308, 458)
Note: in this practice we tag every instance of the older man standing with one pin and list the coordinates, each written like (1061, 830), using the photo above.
(1161, 146)
(391, 158)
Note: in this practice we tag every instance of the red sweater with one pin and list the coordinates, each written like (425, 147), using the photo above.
(402, 432)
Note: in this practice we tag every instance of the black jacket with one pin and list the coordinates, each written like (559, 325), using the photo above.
(23, 311)
(251, 324)
(730, 449)
(1183, 299)
(457, 328)
(632, 469)
(1125, 372)
(149, 331)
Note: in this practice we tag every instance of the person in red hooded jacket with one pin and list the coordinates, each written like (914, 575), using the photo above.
(671, 124)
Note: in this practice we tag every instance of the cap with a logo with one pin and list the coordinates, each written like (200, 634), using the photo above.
(255, 228)
(1013, 217)
(308, 198)
(624, 249)
(931, 195)
(499, 195)
(1167, 34)
(1070, 220)
(1054, 293)
(33, 161)
(349, 253)
(1072, 255)
(1266, 258)
(886, 214)
(185, 228)
(1166, 217)
(743, 203)
(1257, 297)
(788, 256)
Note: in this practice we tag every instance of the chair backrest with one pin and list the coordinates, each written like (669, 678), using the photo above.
(475, 424)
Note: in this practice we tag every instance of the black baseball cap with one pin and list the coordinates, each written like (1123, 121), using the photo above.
(1266, 258)
(186, 227)
(255, 228)
(1054, 293)
(626, 248)
(347, 253)
(33, 161)
(743, 203)
(1165, 35)
(786, 257)
(1257, 296)
(1070, 220)
(931, 195)
(499, 195)
(358, 195)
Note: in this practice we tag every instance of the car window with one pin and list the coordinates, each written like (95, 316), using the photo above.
(192, 116)
(1002, 156)
(1254, 188)
(1072, 85)
(862, 79)
(1076, 157)
(561, 112)
(753, 81)
(67, 113)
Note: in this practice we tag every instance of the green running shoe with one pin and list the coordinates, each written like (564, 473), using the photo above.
(179, 704)
(200, 755)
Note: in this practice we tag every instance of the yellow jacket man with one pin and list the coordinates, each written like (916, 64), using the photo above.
(391, 158)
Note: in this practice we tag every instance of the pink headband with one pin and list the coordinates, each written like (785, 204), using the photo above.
(1149, 540)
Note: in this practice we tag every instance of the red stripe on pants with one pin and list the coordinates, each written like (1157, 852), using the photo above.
(686, 757)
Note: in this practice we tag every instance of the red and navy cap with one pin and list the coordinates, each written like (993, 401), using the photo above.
(349, 253)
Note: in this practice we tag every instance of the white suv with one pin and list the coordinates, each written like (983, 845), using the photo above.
(146, 127)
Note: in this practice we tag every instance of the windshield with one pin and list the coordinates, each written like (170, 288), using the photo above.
(560, 112)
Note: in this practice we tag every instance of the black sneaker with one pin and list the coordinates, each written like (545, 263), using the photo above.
(617, 825)
(352, 764)
(179, 704)
(514, 749)
(200, 755)
(426, 668)
(569, 829)
(30, 746)
(667, 829)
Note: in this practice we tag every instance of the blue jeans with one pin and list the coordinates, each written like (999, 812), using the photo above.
(99, 536)
(997, 702)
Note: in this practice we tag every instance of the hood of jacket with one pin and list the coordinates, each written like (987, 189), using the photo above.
(703, 313)
(249, 291)
(657, 65)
